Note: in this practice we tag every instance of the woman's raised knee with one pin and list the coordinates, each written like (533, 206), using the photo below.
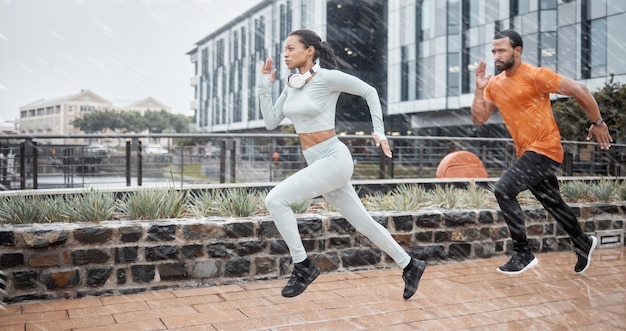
(274, 202)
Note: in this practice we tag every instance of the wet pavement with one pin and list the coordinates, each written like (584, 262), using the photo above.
(467, 295)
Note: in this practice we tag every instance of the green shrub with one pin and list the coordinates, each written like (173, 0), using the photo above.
(240, 203)
(527, 198)
(378, 201)
(153, 203)
(620, 191)
(301, 207)
(403, 197)
(444, 197)
(574, 191)
(476, 197)
(408, 197)
(22, 209)
(92, 206)
(603, 190)
(206, 203)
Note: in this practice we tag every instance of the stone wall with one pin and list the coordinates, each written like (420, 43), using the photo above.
(54, 261)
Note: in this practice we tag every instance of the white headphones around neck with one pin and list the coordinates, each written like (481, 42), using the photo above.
(298, 80)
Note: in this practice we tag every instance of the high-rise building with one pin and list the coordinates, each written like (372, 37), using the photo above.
(419, 54)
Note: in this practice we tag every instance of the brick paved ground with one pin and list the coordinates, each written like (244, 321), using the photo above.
(462, 295)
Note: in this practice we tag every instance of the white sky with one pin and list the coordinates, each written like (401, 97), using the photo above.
(122, 50)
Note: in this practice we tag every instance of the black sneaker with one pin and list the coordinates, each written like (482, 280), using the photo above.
(584, 255)
(411, 277)
(519, 263)
(300, 278)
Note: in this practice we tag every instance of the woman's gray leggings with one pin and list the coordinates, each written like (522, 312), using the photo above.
(328, 174)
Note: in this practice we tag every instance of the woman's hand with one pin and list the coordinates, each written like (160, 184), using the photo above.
(267, 69)
(384, 144)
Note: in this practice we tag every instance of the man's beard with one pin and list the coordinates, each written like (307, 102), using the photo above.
(500, 67)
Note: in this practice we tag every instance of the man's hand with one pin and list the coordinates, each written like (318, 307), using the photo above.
(481, 79)
(602, 135)
(481, 108)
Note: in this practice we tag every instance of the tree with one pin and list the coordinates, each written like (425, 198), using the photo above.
(573, 121)
(157, 121)
(96, 121)
(132, 121)
(180, 123)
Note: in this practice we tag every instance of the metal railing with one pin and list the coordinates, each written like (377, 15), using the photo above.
(54, 161)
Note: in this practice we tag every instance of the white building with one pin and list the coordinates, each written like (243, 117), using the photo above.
(7, 127)
(56, 116)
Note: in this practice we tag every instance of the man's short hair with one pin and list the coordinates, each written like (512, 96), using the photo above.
(514, 37)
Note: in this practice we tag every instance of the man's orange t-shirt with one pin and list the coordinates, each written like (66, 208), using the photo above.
(523, 99)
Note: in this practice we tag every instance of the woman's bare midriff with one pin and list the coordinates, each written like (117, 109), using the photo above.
(311, 139)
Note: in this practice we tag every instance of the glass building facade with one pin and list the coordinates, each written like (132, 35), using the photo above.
(419, 54)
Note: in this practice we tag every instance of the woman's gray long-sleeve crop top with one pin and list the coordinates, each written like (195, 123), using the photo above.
(312, 108)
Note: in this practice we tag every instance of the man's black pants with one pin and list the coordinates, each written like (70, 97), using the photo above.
(536, 173)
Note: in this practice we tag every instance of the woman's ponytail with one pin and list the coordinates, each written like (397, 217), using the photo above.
(327, 56)
(323, 50)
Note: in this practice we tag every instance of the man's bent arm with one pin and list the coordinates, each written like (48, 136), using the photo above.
(588, 103)
(582, 95)
(481, 108)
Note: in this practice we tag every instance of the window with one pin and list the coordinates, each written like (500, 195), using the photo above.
(259, 40)
(616, 62)
(87, 109)
(404, 74)
(566, 50)
(548, 50)
(440, 26)
(423, 14)
(454, 17)
(220, 53)
(453, 74)
(205, 62)
(597, 49)
(424, 76)
(244, 48)
(547, 4)
(285, 20)
(548, 20)
(472, 13)
(523, 7)
(596, 8)
(235, 40)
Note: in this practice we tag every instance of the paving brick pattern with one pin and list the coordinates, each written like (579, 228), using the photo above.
(468, 295)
